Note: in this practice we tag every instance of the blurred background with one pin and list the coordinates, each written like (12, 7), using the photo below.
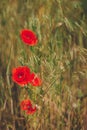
(60, 58)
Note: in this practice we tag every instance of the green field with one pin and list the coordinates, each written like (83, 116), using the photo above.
(59, 58)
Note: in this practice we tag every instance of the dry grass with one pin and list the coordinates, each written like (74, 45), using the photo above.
(60, 58)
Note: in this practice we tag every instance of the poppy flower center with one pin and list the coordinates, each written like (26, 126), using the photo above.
(29, 107)
(21, 75)
(27, 36)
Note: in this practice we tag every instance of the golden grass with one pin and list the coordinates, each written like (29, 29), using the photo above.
(60, 58)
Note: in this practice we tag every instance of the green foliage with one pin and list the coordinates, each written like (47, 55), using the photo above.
(60, 57)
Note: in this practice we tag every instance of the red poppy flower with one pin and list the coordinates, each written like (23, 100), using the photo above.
(36, 81)
(21, 75)
(28, 37)
(26, 105)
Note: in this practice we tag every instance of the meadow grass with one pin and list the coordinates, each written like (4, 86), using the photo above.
(59, 58)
